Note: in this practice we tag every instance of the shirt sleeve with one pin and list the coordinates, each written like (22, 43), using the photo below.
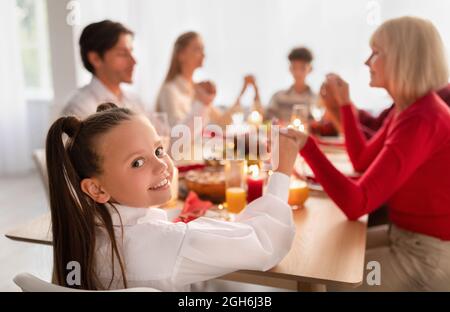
(259, 238)
(370, 124)
(168, 102)
(398, 159)
(223, 118)
(361, 151)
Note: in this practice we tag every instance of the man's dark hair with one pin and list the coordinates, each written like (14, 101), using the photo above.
(301, 54)
(100, 37)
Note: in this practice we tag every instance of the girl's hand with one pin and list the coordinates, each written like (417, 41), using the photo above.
(339, 89)
(290, 143)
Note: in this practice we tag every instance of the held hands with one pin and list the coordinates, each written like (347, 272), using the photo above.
(290, 143)
(328, 99)
(205, 92)
(249, 80)
(337, 88)
(332, 107)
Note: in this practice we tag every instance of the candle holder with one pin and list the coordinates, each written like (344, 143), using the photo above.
(255, 183)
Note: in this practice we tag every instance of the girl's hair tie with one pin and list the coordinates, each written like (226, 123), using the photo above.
(71, 126)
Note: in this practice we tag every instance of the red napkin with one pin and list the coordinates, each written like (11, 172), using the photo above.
(185, 168)
(193, 208)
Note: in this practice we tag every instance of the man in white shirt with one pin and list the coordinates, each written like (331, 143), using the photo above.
(106, 49)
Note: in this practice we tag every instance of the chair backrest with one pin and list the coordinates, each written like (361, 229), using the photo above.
(30, 283)
(41, 165)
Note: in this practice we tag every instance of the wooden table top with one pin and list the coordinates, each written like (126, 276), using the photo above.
(328, 249)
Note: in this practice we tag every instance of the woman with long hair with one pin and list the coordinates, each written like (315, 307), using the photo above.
(182, 98)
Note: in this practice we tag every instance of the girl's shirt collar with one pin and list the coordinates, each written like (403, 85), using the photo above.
(133, 215)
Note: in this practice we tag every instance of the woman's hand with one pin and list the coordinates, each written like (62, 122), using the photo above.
(332, 107)
(328, 100)
(205, 92)
(290, 143)
(338, 88)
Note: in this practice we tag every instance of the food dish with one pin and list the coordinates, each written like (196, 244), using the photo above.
(208, 183)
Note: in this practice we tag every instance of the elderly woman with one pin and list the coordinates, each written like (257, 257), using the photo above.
(407, 162)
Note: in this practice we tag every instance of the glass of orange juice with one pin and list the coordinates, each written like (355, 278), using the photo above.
(298, 193)
(235, 195)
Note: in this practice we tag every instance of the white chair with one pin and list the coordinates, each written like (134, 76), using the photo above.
(41, 165)
(30, 283)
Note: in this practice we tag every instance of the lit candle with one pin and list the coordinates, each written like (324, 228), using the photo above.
(255, 118)
(236, 199)
(298, 193)
(255, 184)
(297, 125)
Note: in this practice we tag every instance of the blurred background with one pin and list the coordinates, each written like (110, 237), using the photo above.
(40, 63)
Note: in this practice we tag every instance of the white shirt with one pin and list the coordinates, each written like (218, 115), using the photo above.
(177, 99)
(170, 256)
(85, 100)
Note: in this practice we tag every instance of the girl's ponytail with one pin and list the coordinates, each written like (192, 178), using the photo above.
(75, 216)
(72, 230)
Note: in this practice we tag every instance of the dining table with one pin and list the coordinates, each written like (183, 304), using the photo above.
(328, 250)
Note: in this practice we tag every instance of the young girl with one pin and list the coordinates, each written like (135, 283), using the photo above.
(102, 183)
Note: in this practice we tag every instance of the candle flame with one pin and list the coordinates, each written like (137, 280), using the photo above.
(298, 125)
(254, 170)
(255, 117)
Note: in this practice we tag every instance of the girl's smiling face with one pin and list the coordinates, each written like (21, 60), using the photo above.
(136, 171)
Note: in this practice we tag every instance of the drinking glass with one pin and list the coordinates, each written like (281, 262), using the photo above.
(299, 117)
(235, 173)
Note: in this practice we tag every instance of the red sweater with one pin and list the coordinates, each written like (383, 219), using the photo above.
(371, 124)
(406, 164)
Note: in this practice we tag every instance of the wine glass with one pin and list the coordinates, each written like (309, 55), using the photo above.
(161, 123)
(299, 117)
